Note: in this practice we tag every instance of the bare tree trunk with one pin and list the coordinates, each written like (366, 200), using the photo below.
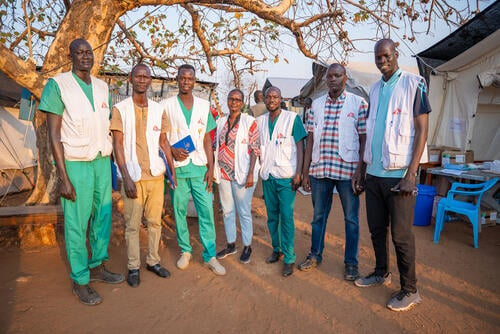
(94, 21)
(46, 187)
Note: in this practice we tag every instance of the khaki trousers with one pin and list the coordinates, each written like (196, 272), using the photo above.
(149, 202)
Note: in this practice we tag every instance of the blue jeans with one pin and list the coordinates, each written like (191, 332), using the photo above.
(235, 197)
(322, 195)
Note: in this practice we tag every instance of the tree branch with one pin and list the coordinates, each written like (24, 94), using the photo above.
(20, 71)
(371, 12)
(141, 49)
(200, 34)
(41, 33)
(28, 30)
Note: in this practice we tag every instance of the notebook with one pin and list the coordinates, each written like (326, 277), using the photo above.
(185, 143)
(168, 172)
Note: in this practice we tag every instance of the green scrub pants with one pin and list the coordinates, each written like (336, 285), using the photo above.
(92, 183)
(280, 199)
(204, 207)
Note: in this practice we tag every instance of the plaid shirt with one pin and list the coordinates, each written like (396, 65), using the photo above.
(330, 163)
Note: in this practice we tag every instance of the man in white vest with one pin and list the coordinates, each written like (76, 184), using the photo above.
(139, 127)
(77, 107)
(191, 122)
(282, 149)
(336, 137)
(396, 133)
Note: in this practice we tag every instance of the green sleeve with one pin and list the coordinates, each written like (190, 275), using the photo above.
(210, 122)
(298, 131)
(51, 99)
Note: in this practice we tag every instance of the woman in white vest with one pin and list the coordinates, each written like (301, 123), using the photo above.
(237, 146)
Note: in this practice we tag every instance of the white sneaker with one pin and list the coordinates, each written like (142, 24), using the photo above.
(216, 267)
(183, 262)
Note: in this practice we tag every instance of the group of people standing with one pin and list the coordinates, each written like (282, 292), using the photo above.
(340, 130)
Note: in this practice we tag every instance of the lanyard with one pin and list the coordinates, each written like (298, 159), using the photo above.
(230, 128)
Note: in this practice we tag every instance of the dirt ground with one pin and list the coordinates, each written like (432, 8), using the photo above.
(459, 286)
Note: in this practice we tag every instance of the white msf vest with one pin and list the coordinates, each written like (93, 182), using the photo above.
(399, 134)
(241, 156)
(347, 127)
(180, 128)
(84, 132)
(153, 130)
(278, 155)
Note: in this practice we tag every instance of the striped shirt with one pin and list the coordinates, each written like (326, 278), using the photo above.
(226, 148)
(330, 164)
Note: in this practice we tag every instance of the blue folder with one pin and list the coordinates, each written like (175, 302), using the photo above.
(168, 172)
(185, 143)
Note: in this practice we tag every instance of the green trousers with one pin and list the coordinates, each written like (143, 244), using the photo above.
(92, 183)
(280, 199)
(203, 203)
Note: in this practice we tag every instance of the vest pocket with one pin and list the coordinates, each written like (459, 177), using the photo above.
(284, 155)
(405, 125)
(77, 148)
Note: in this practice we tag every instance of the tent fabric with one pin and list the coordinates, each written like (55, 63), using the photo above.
(17, 141)
(17, 152)
(10, 91)
(459, 41)
(465, 114)
(471, 33)
(16, 180)
(289, 87)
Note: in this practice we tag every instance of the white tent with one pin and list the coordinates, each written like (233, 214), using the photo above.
(17, 152)
(466, 113)
(464, 87)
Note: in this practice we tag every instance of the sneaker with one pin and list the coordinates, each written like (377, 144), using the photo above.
(372, 280)
(351, 272)
(229, 250)
(245, 255)
(86, 294)
(101, 274)
(309, 263)
(274, 257)
(183, 261)
(216, 267)
(403, 301)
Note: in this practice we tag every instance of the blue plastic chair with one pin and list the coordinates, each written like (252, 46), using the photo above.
(470, 209)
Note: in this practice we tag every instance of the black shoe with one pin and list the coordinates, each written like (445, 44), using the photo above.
(229, 250)
(287, 269)
(101, 274)
(274, 257)
(309, 263)
(245, 255)
(133, 278)
(351, 272)
(158, 270)
(86, 294)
